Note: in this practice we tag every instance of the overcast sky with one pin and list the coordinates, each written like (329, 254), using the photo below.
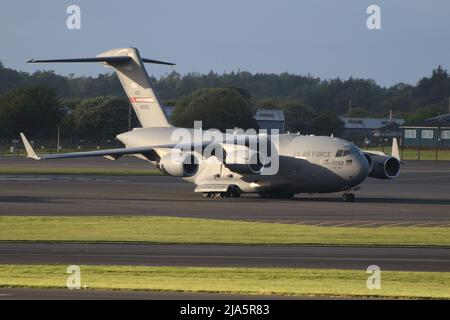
(326, 38)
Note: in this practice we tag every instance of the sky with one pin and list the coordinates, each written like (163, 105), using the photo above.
(324, 38)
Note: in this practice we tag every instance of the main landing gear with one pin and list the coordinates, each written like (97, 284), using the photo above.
(232, 192)
(348, 197)
(219, 195)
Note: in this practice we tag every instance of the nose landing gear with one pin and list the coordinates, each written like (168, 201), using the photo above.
(348, 197)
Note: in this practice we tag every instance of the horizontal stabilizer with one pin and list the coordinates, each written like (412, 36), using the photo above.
(129, 66)
(110, 60)
(157, 62)
(96, 59)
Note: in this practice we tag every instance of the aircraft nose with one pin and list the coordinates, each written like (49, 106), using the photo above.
(361, 169)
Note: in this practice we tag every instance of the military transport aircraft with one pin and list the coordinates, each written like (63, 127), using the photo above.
(303, 163)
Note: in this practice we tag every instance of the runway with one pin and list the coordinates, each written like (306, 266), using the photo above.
(419, 197)
(328, 257)
(65, 294)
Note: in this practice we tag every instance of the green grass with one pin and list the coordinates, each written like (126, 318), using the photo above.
(209, 231)
(75, 171)
(413, 154)
(280, 281)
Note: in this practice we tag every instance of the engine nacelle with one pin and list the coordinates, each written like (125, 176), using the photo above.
(249, 163)
(179, 165)
(384, 167)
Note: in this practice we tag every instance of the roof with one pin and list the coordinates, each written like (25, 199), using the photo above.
(393, 126)
(260, 115)
(275, 115)
(269, 115)
(441, 116)
(368, 123)
(430, 123)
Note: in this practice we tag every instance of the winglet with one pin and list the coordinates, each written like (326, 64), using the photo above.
(30, 152)
(395, 152)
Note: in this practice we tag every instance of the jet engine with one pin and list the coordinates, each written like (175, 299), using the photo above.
(383, 167)
(179, 164)
(244, 163)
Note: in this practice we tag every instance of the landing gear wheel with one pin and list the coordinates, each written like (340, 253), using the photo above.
(348, 197)
(209, 195)
(225, 194)
(234, 191)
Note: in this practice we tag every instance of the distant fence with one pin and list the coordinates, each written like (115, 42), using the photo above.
(421, 153)
(411, 153)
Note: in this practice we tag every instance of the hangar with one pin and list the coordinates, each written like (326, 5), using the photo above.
(430, 133)
(362, 129)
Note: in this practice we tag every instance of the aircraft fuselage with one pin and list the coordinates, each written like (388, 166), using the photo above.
(307, 164)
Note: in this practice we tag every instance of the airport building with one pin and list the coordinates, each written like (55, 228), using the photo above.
(366, 130)
(268, 119)
(430, 133)
(389, 131)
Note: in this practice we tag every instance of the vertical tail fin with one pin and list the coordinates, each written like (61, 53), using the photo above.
(134, 78)
(138, 87)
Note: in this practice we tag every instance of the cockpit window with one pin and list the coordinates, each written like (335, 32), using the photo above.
(349, 149)
(355, 149)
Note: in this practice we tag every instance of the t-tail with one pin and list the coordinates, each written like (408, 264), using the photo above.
(130, 69)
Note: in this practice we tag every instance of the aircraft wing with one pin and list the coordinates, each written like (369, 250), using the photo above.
(109, 153)
(374, 152)
(394, 153)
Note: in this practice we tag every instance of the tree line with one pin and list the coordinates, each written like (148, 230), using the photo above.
(84, 107)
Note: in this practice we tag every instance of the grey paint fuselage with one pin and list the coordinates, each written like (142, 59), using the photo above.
(307, 164)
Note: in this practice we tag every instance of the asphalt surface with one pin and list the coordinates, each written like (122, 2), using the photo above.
(419, 197)
(358, 258)
(82, 294)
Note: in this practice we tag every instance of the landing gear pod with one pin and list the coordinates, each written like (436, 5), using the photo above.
(252, 165)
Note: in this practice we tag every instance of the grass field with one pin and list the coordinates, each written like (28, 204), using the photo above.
(75, 171)
(281, 281)
(209, 231)
(413, 154)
